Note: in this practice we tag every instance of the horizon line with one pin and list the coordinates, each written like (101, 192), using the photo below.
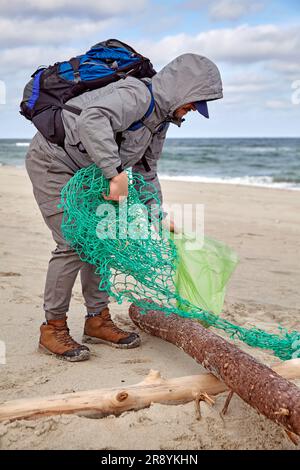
(192, 137)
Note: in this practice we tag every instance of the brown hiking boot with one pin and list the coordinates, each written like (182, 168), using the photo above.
(55, 339)
(101, 329)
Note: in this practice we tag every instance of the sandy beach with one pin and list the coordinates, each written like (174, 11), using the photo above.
(262, 225)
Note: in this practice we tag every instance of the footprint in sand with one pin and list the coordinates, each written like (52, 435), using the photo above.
(9, 274)
(136, 361)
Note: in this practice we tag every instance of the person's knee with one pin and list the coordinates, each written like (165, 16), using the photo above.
(64, 250)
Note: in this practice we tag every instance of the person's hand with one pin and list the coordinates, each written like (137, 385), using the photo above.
(118, 188)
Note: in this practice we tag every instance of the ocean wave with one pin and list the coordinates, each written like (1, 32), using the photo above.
(260, 181)
(15, 165)
(22, 144)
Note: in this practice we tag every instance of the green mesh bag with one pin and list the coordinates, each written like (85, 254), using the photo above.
(203, 271)
(154, 271)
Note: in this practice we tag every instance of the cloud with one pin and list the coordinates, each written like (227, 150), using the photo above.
(290, 70)
(249, 84)
(27, 32)
(279, 104)
(23, 61)
(248, 88)
(195, 4)
(233, 10)
(275, 48)
(255, 61)
(225, 10)
(70, 8)
(243, 44)
(240, 45)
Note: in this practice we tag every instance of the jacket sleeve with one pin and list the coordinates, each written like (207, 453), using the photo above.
(105, 116)
(152, 155)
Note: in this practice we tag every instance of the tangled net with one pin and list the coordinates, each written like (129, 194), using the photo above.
(136, 260)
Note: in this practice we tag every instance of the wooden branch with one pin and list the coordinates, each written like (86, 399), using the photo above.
(153, 389)
(255, 383)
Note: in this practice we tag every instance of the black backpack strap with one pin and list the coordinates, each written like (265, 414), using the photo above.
(140, 123)
(72, 109)
(119, 140)
(145, 163)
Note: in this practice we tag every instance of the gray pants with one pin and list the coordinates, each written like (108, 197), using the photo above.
(48, 173)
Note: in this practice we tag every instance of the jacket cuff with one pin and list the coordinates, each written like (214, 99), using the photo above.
(110, 171)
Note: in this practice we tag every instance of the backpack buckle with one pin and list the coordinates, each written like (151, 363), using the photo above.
(121, 75)
(77, 76)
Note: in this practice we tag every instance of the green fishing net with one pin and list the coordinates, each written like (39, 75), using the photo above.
(141, 263)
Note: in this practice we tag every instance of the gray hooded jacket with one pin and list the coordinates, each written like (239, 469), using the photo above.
(91, 137)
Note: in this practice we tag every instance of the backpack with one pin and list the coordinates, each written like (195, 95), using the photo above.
(46, 94)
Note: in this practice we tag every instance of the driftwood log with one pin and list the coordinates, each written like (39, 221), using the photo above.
(258, 385)
(153, 389)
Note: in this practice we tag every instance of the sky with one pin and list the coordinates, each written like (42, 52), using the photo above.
(255, 44)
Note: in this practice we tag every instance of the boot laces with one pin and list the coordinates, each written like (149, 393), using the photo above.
(112, 325)
(63, 337)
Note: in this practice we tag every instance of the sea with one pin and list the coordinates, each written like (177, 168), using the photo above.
(269, 162)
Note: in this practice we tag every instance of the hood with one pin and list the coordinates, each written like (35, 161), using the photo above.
(188, 78)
